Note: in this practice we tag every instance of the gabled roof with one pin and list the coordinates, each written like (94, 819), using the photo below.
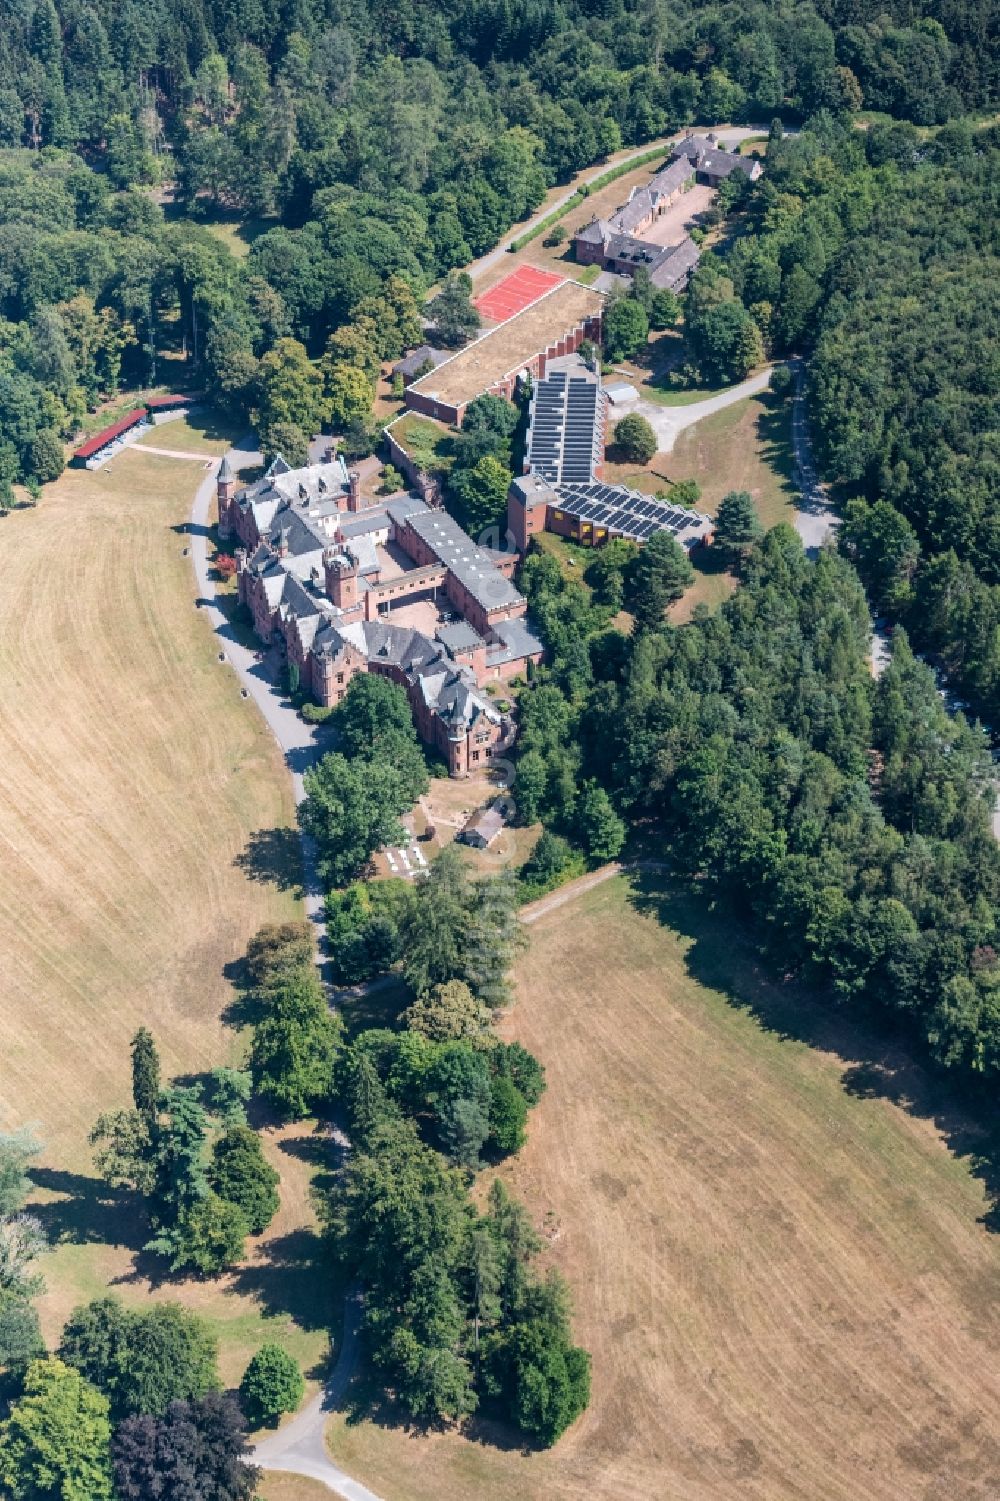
(673, 270)
(594, 233)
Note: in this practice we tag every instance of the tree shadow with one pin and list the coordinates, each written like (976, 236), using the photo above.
(368, 1401)
(878, 1057)
(87, 1212)
(709, 560)
(774, 430)
(274, 858)
(377, 1003)
(321, 1152)
(295, 1279)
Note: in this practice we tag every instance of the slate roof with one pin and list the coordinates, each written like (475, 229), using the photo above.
(445, 686)
(644, 202)
(484, 825)
(411, 363)
(674, 268)
(707, 156)
(516, 639)
(460, 636)
(595, 233)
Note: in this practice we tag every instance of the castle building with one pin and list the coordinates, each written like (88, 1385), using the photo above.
(321, 575)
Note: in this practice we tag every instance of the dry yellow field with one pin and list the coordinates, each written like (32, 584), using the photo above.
(782, 1276)
(133, 775)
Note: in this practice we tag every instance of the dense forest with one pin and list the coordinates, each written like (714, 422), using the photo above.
(384, 143)
(850, 820)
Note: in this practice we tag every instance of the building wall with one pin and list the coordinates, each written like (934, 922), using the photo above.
(588, 252)
(330, 677)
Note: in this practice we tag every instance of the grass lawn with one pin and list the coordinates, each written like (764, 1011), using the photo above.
(427, 441)
(279, 1486)
(134, 779)
(782, 1275)
(203, 431)
(238, 235)
(744, 447)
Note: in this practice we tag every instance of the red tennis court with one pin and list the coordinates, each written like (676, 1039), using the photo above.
(516, 292)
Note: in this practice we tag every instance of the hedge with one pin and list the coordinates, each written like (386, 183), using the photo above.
(583, 193)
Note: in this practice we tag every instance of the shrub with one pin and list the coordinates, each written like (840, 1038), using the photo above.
(508, 1116)
(781, 380)
(272, 1384)
(636, 438)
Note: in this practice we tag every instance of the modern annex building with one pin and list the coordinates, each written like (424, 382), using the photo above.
(562, 490)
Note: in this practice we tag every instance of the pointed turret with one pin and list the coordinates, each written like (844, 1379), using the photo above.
(225, 482)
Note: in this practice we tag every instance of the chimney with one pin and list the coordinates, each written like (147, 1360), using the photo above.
(283, 542)
(354, 491)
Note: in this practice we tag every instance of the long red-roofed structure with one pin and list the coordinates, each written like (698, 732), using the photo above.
(108, 434)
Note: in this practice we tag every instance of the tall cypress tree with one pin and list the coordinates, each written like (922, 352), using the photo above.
(145, 1074)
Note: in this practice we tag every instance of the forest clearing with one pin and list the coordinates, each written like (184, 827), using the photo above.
(783, 1277)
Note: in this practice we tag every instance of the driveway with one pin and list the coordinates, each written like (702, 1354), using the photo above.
(668, 422)
(298, 1447)
(301, 744)
(815, 518)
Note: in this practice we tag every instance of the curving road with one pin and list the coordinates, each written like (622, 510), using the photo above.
(668, 422)
(299, 1447)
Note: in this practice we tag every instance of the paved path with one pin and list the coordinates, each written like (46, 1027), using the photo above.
(668, 422)
(302, 744)
(729, 134)
(815, 519)
(299, 1447)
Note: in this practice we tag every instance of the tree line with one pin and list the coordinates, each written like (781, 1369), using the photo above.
(849, 821)
(456, 1314)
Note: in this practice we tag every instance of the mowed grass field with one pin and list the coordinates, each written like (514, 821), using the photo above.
(133, 777)
(781, 1275)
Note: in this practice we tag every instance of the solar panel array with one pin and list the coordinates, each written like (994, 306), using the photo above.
(627, 512)
(565, 428)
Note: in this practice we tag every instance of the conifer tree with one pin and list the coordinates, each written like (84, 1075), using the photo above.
(145, 1074)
